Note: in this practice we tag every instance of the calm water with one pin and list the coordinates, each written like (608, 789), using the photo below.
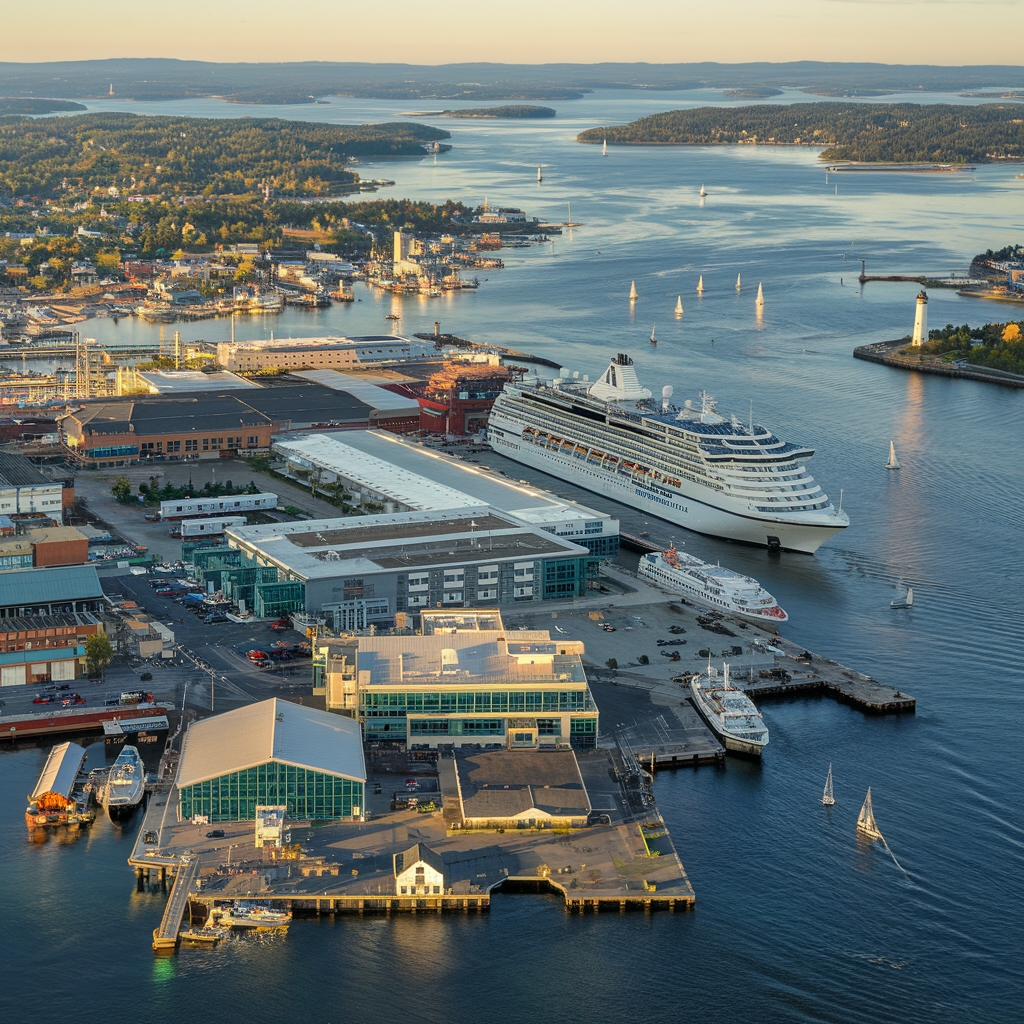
(794, 920)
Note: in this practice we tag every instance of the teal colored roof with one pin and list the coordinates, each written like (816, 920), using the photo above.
(42, 586)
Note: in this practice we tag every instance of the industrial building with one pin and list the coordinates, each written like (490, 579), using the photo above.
(205, 424)
(520, 789)
(66, 591)
(464, 680)
(273, 753)
(361, 570)
(24, 489)
(316, 353)
(44, 648)
(43, 547)
(400, 475)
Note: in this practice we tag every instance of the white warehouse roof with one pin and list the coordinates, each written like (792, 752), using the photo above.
(272, 730)
(376, 397)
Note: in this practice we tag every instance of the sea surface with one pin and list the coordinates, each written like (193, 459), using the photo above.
(795, 919)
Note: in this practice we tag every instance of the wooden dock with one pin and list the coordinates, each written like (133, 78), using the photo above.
(166, 936)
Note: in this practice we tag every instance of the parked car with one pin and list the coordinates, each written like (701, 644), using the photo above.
(152, 517)
(215, 617)
(217, 833)
(43, 698)
(146, 676)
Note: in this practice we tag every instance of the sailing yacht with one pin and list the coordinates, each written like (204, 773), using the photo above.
(827, 798)
(907, 601)
(737, 282)
(654, 340)
(604, 148)
(540, 177)
(866, 823)
(679, 306)
(633, 295)
(893, 462)
(703, 191)
(700, 285)
(760, 296)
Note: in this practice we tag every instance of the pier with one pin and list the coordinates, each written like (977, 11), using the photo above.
(888, 353)
(166, 936)
(952, 281)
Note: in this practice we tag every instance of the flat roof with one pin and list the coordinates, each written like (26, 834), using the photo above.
(524, 500)
(507, 783)
(327, 548)
(60, 770)
(366, 391)
(272, 730)
(326, 341)
(163, 381)
(46, 586)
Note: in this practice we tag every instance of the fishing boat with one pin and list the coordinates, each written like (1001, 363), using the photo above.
(540, 177)
(893, 462)
(827, 798)
(700, 285)
(866, 823)
(633, 294)
(604, 148)
(728, 712)
(679, 306)
(703, 191)
(760, 296)
(654, 340)
(907, 601)
(737, 282)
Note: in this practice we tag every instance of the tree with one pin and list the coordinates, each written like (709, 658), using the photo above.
(1011, 333)
(122, 490)
(643, 660)
(98, 653)
(612, 663)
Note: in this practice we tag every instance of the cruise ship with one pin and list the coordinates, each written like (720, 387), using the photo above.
(711, 585)
(729, 713)
(687, 465)
(126, 784)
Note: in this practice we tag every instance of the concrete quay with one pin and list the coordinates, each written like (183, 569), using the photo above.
(884, 352)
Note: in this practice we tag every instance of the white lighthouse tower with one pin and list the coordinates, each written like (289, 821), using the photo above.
(921, 319)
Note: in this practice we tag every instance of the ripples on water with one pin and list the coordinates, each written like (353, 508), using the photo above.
(795, 919)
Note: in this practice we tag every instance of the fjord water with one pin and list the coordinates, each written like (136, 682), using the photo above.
(795, 920)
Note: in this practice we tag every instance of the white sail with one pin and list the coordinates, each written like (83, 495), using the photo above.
(540, 177)
(633, 296)
(700, 285)
(827, 798)
(679, 306)
(737, 282)
(910, 597)
(653, 338)
(760, 295)
(604, 148)
(907, 601)
(866, 819)
(893, 462)
(703, 191)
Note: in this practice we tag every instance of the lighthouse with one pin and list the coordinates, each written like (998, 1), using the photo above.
(921, 319)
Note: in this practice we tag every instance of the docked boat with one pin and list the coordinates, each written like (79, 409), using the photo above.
(126, 784)
(689, 466)
(730, 714)
(711, 585)
(53, 800)
(250, 916)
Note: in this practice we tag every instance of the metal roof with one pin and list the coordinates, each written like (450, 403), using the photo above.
(376, 397)
(43, 586)
(60, 770)
(18, 471)
(163, 381)
(272, 730)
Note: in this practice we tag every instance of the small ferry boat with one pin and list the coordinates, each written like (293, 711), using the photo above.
(254, 916)
(729, 713)
(126, 784)
(711, 585)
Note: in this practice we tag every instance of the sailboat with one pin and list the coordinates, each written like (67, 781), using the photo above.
(737, 282)
(893, 462)
(700, 285)
(540, 177)
(904, 602)
(760, 296)
(703, 191)
(604, 148)
(827, 797)
(866, 819)
(654, 340)
(633, 295)
(679, 306)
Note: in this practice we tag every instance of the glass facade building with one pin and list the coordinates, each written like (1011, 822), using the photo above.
(306, 794)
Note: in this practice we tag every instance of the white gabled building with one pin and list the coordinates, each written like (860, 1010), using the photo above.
(419, 872)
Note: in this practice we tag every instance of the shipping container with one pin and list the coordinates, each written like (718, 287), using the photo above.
(209, 527)
(229, 504)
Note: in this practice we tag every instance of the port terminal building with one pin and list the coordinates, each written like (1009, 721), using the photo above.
(360, 571)
(463, 680)
(373, 466)
(324, 353)
(273, 753)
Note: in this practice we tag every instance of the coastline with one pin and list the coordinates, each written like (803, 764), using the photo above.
(883, 352)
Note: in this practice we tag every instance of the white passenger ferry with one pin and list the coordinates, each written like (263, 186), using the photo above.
(689, 466)
(729, 713)
(711, 585)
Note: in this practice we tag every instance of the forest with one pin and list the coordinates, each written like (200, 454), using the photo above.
(997, 346)
(513, 110)
(869, 132)
(150, 155)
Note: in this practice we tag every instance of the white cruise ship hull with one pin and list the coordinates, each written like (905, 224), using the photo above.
(730, 519)
(732, 743)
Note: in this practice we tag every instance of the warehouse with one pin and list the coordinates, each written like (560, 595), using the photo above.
(66, 591)
(273, 753)
(44, 648)
(360, 571)
(463, 681)
(398, 474)
(315, 353)
(24, 489)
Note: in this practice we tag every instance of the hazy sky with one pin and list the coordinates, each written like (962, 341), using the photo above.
(520, 31)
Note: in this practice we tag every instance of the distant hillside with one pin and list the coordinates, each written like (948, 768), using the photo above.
(150, 155)
(25, 105)
(508, 111)
(885, 133)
